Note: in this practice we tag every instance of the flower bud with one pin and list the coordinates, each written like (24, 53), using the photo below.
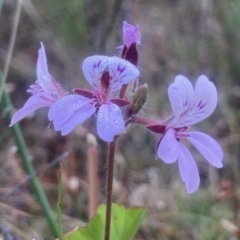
(139, 99)
(132, 54)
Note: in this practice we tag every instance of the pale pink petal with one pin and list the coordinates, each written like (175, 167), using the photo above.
(93, 68)
(204, 103)
(180, 94)
(188, 169)
(168, 147)
(43, 76)
(121, 72)
(137, 34)
(120, 47)
(31, 105)
(208, 147)
(131, 34)
(110, 122)
(77, 117)
(64, 108)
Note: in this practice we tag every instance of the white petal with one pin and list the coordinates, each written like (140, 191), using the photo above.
(78, 117)
(65, 107)
(188, 169)
(121, 72)
(208, 147)
(110, 122)
(43, 76)
(32, 104)
(204, 103)
(93, 68)
(168, 147)
(180, 94)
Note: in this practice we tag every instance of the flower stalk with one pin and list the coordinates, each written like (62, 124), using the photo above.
(92, 175)
(110, 169)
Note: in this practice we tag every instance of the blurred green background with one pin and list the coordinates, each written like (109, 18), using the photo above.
(178, 37)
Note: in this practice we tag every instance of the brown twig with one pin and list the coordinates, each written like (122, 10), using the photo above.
(92, 175)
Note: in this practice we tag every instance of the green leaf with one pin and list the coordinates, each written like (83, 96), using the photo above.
(124, 224)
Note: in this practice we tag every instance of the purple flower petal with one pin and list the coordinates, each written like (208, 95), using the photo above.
(205, 99)
(93, 68)
(168, 147)
(208, 147)
(31, 105)
(121, 72)
(44, 78)
(63, 109)
(120, 47)
(131, 34)
(109, 122)
(180, 94)
(77, 117)
(188, 169)
(203, 105)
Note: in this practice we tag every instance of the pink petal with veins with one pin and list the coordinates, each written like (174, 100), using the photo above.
(121, 72)
(180, 94)
(44, 78)
(208, 147)
(93, 68)
(30, 106)
(203, 104)
(168, 147)
(110, 122)
(188, 169)
(205, 99)
(63, 109)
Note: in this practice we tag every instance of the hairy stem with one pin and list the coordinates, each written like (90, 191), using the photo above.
(110, 169)
(22, 149)
(143, 121)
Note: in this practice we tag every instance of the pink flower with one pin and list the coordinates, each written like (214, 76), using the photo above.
(189, 107)
(45, 92)
(131, 35)
(106, 75)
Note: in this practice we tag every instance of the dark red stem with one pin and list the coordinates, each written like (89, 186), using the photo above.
(110, 169)
(143, 121)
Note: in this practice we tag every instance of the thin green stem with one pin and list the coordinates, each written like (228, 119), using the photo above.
(60, 203)
(110, 169)
(11, 46)
(22, 149)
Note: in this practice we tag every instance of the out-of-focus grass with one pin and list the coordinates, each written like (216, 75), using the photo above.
(69, 20)
(178, 37)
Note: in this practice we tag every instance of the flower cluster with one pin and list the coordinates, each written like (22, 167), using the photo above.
(114, 108)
